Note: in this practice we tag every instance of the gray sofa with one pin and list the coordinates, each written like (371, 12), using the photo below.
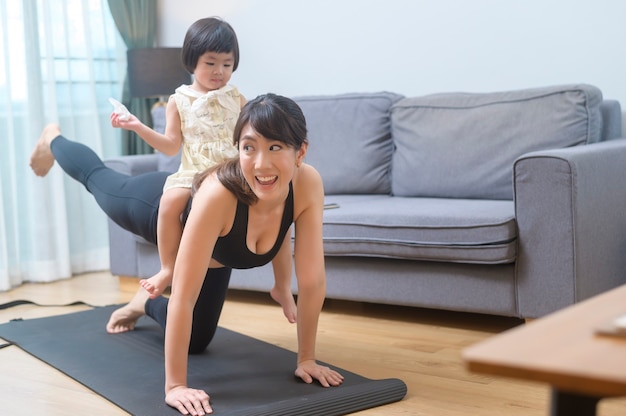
(508, 203)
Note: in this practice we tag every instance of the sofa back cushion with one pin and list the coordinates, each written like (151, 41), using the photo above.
(350, 141)
(463, 145)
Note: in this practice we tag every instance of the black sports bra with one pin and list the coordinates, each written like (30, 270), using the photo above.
(231, 250)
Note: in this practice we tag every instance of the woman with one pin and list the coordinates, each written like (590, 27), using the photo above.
(240, 214)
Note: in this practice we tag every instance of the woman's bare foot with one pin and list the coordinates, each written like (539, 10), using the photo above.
(285, 299)
(156, 284)
(42, 159)
(125, 318)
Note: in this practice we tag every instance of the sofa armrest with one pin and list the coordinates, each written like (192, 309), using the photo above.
(134, 164)
(569, 207)
(123, 251)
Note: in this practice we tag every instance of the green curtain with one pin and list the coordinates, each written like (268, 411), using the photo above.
(136, 21)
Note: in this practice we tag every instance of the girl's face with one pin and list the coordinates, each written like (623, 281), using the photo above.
(213, 71)
(268, 165)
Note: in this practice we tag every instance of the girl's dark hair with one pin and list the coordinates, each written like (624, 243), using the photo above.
(210, 34)
(272, 116)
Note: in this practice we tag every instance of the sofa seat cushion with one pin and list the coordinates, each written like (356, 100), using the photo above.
(431, 229)
(463, 145)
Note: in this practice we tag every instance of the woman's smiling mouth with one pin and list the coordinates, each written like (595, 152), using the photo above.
(266, 180)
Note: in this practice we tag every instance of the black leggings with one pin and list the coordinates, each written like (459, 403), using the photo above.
(133, 203)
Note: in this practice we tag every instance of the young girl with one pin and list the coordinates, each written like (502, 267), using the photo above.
(201, 118)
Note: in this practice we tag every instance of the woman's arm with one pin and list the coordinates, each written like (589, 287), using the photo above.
(211, 214)
(311, 274)
(282, 267)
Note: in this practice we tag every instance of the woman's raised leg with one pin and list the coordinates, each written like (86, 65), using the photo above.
(42, 159)
(130, 201)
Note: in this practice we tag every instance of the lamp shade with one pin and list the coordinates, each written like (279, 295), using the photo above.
(155, 72)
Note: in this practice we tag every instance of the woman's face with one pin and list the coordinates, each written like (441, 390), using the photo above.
(268, 165)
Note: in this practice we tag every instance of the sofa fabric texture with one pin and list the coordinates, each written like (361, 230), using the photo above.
(504, 203)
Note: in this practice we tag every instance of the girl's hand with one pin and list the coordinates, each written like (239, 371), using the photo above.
(131, 123)
(310, 370)
(189, 401)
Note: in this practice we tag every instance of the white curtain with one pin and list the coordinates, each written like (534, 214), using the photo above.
(59, 62)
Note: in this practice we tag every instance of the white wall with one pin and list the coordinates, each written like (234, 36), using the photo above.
(415, 47)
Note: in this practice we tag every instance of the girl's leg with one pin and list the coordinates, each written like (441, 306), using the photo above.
(169, 233)
(206, 313)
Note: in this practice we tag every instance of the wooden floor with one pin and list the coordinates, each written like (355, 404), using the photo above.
(421, 347)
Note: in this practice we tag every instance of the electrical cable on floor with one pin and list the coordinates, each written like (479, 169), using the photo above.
(28, 302)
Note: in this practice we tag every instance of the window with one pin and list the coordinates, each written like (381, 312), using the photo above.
(59, 61)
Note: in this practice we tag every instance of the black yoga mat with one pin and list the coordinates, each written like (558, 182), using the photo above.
(243, 375)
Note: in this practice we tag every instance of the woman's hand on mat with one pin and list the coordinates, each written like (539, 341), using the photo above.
(189, 401)
(310, 370)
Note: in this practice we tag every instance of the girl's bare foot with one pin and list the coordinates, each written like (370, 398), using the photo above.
(285, 299)
(125, 318)
(42, 159)
(157, 283)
